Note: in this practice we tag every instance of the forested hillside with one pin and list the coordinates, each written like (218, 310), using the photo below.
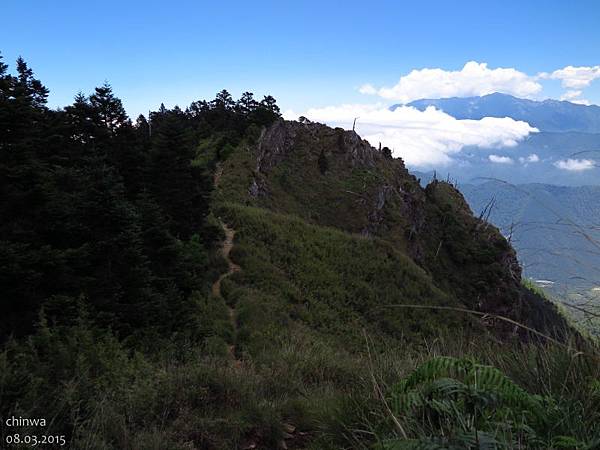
(105, 215)
(216, 277)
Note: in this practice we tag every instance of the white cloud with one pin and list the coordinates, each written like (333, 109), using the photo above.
(500, 159)
(570, 95)
(581, 101)
(575, 165)
(573, 96)
(472, 80)
(533, 158)
(367, 89)
(574, 77)
(421, 138)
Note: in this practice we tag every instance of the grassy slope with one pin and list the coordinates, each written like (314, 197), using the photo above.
(331, 281)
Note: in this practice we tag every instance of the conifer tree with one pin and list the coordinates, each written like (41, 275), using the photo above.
(246, 104)
(270, 104)
(223, 100)
(80, 119)
(109, 111)
(28, 87)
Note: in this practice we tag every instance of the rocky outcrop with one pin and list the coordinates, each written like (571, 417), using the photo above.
(274, 144)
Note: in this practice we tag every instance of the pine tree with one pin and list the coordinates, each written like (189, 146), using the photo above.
(246, 104)
(109, 111)
(266, 112)
(29, 87)
(5, 81)
(3, 67)
(198, 108)
(81, 120)
(142, 128)
(270, 104)
(223, 100)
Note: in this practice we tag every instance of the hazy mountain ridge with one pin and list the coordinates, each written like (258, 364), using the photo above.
(553, 227)
(564, 150)
(547, 115)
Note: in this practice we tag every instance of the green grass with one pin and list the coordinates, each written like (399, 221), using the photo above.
(330, 281)
(103, 396)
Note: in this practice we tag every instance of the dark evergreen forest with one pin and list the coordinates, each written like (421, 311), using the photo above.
(105, 218)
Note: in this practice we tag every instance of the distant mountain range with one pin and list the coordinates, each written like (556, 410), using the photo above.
(548, 149)
(547, 115)
(566, 150)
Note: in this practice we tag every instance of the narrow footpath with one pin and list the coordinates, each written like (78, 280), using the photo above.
(226, 247)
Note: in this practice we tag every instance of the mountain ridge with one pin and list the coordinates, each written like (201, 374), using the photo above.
(358, 189)
(547, 115)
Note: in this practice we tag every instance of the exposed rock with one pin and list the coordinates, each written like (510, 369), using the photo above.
(274, 144)
(253, 189)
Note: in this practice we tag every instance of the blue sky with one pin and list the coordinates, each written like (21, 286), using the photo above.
(307, 54)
